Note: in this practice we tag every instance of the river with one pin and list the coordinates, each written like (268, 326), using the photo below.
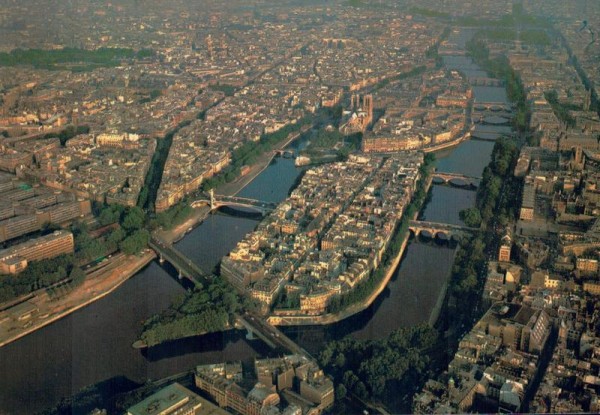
(94, 344)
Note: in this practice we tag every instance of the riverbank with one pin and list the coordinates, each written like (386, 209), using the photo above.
(141, 345)
(325, 319)
(331, 318)
(40, 311)
(231, 189)
(437, 309)
(198, 215)
(447, 145)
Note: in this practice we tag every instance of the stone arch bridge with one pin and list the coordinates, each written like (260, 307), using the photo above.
(436, 230)
(456, 179)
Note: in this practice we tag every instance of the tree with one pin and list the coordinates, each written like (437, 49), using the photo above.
(468, 283)
(471, 217)
(340, 360)
(77, 276)
(108, 216)
(340, 392)
(134, 219)
(134, 243)
(115, 237)
(350, 379)
(325, 356)
(361, 390)
(343, 153)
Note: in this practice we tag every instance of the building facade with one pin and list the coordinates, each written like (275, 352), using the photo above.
(15, 259)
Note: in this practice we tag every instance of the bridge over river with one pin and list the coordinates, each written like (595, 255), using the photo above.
(436, 229)
(456, 179)
(216, 201)
(270, 334)
(253, 323)
(184, 266)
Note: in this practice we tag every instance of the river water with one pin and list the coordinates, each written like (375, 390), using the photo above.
(93, 345)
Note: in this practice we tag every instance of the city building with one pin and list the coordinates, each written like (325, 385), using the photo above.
(15, 259)
(263, 388)
(175, 400)
(359, 116)
(505, 249)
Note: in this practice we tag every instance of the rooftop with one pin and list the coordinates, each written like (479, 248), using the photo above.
(172, 400)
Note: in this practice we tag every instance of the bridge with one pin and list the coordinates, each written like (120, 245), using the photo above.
(491, 106)
(493, 119)
(284, 153)
(269, 334)
(254, 324)
(482, 135)
(446, 178)
(184, 266)
(491, 114)
(484, 81)
(437, 229)
(217, 201)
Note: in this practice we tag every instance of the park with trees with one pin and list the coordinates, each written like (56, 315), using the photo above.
(388, 369)
(75, 59)
(200, 311)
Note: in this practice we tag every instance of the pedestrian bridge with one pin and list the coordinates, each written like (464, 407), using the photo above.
(435, 230)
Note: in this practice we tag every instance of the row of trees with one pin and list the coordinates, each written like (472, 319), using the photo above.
(517, 17)
(204, 310)
(500, 68)
(129, 236)
(428, 12)
(561, 109)
(433, 51)
(324, 140)
(389, 369)
(366, 287)
(148, 194)
(248, 153)
(497, 203)
(173, 216)
(37, 275)
(228, 90)
(595, 104)
(155, 93)
(287, 300)
(418, 70)
(496, 178)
